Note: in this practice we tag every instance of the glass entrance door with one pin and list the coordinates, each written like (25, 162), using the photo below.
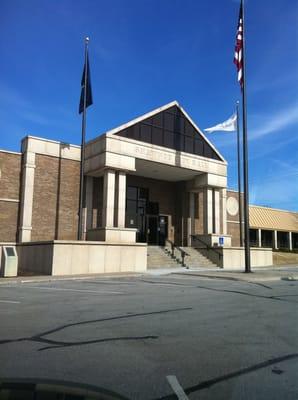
(157, 229)
(162, 229)
(152, 229)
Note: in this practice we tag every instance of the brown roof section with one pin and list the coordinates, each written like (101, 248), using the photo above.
(270, 218)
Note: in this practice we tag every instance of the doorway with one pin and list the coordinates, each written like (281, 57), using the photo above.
(163, 229)
(152, 229)
(157, 229)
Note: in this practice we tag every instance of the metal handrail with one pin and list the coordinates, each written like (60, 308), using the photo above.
(172, 247)
(182, 252)
(207, 246)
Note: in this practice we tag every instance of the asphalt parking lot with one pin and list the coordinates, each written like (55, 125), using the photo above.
(154, 337)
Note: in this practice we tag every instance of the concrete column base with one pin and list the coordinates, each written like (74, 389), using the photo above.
(112, 235)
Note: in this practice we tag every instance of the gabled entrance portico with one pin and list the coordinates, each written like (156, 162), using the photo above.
(149, 192)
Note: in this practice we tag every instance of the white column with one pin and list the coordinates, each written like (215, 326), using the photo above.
(27, 197)
(108, 198)
(208, 211)
(259, 238)
(121, 198)
(89, 202)
(224, 210)
(290, 241)
(191, 218)
(275, 239)
(216, 211)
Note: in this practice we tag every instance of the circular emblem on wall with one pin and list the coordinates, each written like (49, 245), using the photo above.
(232, 206)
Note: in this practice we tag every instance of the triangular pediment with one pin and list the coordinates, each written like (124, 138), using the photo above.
(169, 126)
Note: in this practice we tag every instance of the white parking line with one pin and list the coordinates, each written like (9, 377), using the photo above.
(175, 385)
(72, 290)
(10, 301)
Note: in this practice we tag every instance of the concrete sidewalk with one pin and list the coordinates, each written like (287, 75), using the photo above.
(286, 272)
(273, 273)
(50, 278)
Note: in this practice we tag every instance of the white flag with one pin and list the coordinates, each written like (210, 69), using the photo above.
(229, 125)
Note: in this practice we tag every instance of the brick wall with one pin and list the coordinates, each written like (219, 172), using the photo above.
(69, 199)
(8, 221)
(55, 198)
(233, 230)
(10, 170)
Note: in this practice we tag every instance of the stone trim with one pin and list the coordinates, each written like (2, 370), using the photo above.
(224, 211)
(81, 242)
(10, 152)
(27, 190)
(120, 153)
(51, 148)
(10, 200)
(108, 198)
(216, 204)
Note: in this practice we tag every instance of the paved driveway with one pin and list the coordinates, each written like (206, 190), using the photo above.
(154, 337)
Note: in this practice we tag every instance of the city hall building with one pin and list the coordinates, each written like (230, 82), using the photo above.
(153, 187)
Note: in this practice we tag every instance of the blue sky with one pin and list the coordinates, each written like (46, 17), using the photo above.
(146, 53)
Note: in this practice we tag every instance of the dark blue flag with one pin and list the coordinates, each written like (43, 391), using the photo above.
(89, 100)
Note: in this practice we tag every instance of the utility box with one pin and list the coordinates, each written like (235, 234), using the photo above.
(9, 261)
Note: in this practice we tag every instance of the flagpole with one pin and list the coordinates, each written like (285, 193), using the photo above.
(80, 222)
(245, 154)
(239, 177)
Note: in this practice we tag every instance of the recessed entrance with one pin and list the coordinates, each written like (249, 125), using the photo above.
(143, 214)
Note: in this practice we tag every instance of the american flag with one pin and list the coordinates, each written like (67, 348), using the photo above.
(238, 57)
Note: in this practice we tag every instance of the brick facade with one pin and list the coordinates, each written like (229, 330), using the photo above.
(10, 171)
(8, 221)
(55, 199)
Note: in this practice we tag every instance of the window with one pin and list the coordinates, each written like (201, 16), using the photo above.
(145, 133)
(132, 193)
(158, 120)
(189, 130)
(189, 144)
(169, 139)
(169, 121)
(157, 136)
(171, 129)
(136, 204)
(199, 146)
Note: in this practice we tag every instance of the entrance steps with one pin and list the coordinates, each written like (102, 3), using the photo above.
(195, 259)
(160, 257)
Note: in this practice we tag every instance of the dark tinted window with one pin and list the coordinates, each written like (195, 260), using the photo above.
(171, 129)
(132, 193)
(169, 121)
(169, 139)
(158, 120)
(145, 133)
(157, 136)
